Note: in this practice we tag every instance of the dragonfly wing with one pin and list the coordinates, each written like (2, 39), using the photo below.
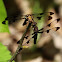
(48, 30)
(35, 38)
(25, 22)
(38, 16)
(50, 24)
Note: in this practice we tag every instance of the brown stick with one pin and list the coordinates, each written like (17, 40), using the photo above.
(20, 45)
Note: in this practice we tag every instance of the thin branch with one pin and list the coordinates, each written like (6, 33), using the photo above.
(61, 54)
(20, 45)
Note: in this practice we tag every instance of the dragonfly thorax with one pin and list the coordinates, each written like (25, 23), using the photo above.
(29, 17)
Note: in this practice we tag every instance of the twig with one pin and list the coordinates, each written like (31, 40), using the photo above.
(20, 45)
(61, 54)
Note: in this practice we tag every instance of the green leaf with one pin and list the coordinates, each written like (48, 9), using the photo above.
(13, 61)
(4, 53)
(3, 15)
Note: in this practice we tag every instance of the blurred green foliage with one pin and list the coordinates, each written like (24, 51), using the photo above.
(3, 15)
(4, 54)
(37, 9)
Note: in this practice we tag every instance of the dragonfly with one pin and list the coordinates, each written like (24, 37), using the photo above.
(30, 18)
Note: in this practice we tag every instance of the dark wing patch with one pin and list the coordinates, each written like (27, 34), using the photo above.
(27, 41)
(51, 13)
(35, 38)
(39, 18)
(49, 25)
(4, 22)
(58, 19)
(25, 22)
(49, 17)
(18, 42)
(26, 37)
(20, 49)
(41, 13)
(57, 28)
(47, 31)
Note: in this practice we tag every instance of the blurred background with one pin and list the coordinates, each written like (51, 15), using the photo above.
(49, 46)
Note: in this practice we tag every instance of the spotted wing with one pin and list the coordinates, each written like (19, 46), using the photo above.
(37, 15)
(47, 30)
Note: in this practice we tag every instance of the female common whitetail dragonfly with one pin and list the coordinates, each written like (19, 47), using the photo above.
(30, 18)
